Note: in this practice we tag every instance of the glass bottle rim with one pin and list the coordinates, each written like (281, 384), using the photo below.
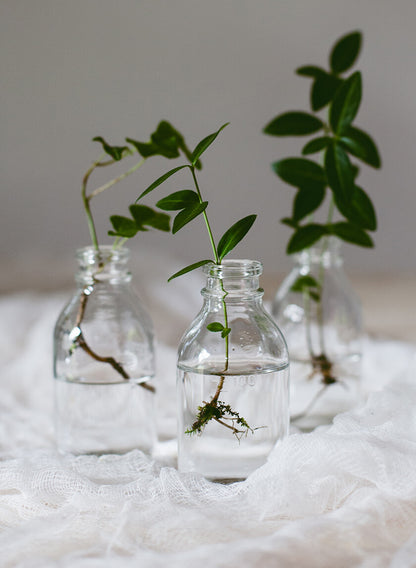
(234, 268)
(90, 255)
(327, 249)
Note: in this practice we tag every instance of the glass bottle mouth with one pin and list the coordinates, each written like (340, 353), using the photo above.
(106, 263)
(327, 251)
(107, 253)
(239, 268)
(233, 280)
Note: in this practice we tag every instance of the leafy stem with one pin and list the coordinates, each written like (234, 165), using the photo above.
(204, 213)
(81, 342)
(190, 204)
(338, 143)
(165, 141)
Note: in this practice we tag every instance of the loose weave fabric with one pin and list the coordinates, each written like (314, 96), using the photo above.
(342, 496)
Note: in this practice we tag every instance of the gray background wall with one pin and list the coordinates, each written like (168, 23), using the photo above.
(71, 70)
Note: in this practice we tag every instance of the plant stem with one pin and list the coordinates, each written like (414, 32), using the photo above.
(218, 262)
(86, 201)
(214, 402)
(307, 308)
(117, 179)
(81, 342)
(321, 279)
(211, 237)
(87, 198)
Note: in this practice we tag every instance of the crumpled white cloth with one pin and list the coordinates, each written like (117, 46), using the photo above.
(342, 496)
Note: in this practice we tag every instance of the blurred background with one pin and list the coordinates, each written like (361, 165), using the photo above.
(74, 70)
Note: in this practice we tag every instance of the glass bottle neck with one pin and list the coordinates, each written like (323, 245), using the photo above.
(105, 265)
(326, 252)
(233, 280)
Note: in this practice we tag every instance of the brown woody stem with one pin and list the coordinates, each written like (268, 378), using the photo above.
(80, 341)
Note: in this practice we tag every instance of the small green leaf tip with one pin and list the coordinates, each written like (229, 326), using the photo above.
(234, 235)
(161, 180)
(116, 152)
(215, 326)
(143, 217)
(293, 124)
(187, 215)
(165, 141)
(345, 52)
(189, 268)
(346, 103)
(204, 144)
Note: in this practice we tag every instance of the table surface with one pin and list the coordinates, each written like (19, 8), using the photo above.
(342, 496)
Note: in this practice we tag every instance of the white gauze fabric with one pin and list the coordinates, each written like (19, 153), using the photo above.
(341, 496)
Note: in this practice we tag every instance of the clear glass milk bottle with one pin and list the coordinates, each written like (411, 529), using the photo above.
(104, 361)
(233, 373)
(320, 315)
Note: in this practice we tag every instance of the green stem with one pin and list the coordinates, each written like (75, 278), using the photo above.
(321, 278)
(218, 262)
(117, 179)
(86, 201)
(211, 237)
(307, 307)
(87, 198)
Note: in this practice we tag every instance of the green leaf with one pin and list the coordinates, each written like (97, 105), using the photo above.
(168, 139)
(146, 216)
(323, 90)
(145, 149)
(160, 180)
(306, 236)
(226, 331)
(346, 103)
(123, 227)
(187, 215)
(307, 200)
(345, 52)
(361, 145)
(293, 124)
(304, 282)
(314, 295)
(359, 210)
(234, 235)
(116, 152)
(165, 141)
(190, 268)
(363, 204)
(299, 171)
(178, 200)
(316, 145)
(205, 143)
(339, 172)
(355, 170)
(215, 326)
(351, 233)
(289, 222)
(310, 71)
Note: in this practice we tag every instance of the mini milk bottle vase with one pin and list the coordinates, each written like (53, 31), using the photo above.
(104, 361)
(320, 315)
(232, 385)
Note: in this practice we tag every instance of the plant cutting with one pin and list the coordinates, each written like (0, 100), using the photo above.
(328, 183)
(104, 338)
(232, 361)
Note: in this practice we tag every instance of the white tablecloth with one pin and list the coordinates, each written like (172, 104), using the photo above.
(342, 496)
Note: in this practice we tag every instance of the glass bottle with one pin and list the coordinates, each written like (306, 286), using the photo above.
(233, 374)
(320, 316)
(104, 361)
